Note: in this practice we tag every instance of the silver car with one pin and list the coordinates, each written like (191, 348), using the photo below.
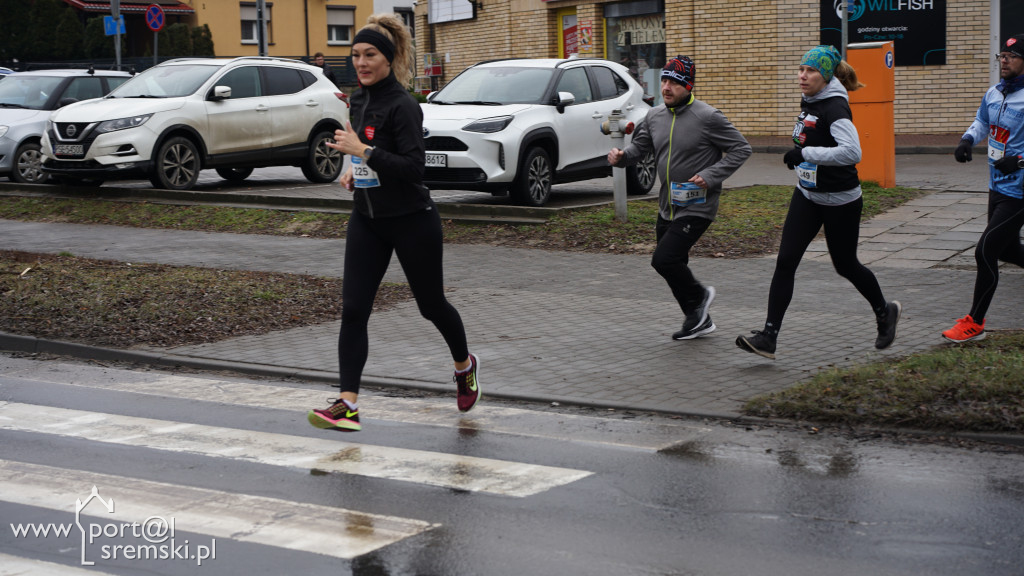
(26, 101)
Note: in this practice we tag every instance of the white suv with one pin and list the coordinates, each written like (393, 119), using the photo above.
(175, 119)
(523, 125)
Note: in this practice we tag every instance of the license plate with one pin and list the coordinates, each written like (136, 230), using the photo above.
(437, 160)
(69, 149)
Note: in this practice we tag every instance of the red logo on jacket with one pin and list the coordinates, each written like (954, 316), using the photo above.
(369, 132)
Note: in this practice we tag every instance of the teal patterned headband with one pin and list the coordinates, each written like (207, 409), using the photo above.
(823, 59)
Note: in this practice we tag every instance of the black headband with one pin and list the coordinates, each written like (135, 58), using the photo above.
(378, 41)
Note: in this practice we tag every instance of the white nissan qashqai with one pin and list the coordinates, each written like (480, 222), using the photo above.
(175, 119)
(522, 125)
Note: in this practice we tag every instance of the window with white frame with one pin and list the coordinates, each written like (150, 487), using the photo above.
(340, 22)
(250, 23)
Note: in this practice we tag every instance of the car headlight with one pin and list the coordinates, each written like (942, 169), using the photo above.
(122, 123)
(489, 125)
(3, 130)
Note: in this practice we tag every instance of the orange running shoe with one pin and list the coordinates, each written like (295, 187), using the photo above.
(966, 329)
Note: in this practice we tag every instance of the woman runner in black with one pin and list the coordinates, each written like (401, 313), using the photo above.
(827, 193)
(393, 214)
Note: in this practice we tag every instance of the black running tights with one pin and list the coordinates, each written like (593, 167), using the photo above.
(999, 241)
(842, 229)
(416, 239)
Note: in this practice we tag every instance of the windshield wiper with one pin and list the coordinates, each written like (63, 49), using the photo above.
(480, 103)
(9, 105)
(142, 96)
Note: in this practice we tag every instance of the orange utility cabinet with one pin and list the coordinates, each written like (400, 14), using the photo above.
(872, 108)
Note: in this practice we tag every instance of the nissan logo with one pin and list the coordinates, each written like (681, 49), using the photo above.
(70, 131)
(426, 132)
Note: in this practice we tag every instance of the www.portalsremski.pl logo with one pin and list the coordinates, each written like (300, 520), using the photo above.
(157, 532)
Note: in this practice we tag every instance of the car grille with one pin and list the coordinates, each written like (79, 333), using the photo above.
(445, 144)
(79, 164)
(455, 175)
(78, 130)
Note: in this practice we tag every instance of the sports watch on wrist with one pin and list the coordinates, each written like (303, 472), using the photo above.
(367, 152)
(1020, 162)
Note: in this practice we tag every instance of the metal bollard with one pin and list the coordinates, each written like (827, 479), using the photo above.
(617, 127)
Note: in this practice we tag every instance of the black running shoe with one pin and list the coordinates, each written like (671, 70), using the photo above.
(699, 316)
(887, 325)
(706, 328)
(760, 344)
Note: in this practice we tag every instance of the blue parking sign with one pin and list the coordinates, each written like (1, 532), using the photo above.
(109, 28)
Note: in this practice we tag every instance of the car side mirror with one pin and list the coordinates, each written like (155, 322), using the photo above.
(65, 101)
(430, 97)
(564, 99)
(221, 93)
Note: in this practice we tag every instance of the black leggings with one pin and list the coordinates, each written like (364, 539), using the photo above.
(672, 257)
(999, 241)
(842, 229)
(416, 239)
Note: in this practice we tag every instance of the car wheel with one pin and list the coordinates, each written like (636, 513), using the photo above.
(323, 163)
(533, 183)
(176, 165)
(640, 177)
(28, 165)
(234, 174)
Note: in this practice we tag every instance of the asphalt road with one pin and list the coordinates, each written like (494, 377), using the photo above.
(502, 490)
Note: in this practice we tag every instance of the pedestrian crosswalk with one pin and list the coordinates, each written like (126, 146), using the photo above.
(297, 526)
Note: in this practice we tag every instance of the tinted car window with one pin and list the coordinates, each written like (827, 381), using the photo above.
(84, 88)
(244, 82)
(308, 78)
(609, 84)
(114, 82)
(282, 80)
(575, 80)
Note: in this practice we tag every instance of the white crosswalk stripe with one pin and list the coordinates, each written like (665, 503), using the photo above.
(505, 420)
(269, 521)
(432, 468)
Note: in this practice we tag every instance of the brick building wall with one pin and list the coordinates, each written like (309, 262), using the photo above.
(747, 56)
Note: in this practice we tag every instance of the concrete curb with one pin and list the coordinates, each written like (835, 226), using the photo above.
(33, 345)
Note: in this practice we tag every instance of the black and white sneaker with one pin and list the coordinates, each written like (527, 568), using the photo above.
(760, 344)
(887, 325)
(704, 329)
(699, 317)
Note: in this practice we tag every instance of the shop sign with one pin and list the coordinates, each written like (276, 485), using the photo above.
(917, 28)
(647, 29)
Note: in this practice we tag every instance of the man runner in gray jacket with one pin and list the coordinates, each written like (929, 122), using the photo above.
(697, 149)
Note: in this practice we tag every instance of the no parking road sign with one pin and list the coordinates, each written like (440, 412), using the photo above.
(155, 17)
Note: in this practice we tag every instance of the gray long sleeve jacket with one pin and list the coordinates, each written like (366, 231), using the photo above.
(694, 138)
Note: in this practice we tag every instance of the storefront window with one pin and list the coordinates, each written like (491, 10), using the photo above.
(637, 41)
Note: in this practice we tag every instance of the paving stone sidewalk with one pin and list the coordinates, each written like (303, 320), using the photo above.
(595, 328)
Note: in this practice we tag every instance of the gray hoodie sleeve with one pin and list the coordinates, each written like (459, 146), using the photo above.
(735, 149)
(847, 151)
(640, 144)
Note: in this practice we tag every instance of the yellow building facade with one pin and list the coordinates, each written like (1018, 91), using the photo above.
(747, 51)
(295, 28)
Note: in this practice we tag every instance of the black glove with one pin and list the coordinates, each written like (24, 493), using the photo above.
(1007, 164)
(963, 151)
(793, 157)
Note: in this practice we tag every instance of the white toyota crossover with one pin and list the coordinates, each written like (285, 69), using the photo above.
(522, 125)
(182, 116)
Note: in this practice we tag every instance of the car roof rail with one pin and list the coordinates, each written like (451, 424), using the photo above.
(577, 58)
(275, 58)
